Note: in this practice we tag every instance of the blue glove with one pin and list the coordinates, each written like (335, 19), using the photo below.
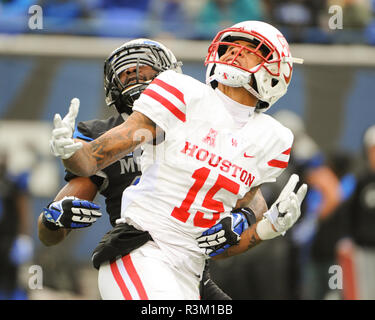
(70, 212)
(227, 232)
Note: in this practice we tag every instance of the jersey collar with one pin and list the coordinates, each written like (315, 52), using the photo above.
(240, 113)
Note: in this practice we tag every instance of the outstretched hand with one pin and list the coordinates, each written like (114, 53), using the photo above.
(62, 142)
(284, 212)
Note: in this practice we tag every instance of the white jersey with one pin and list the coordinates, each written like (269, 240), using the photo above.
(206, 163)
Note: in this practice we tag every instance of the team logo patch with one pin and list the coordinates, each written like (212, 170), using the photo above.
(210, 138)
(234, 143)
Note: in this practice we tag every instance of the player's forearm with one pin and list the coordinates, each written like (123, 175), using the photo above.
(255, 201)
(270, 226)
(111, 146)
(81, 162)
(100, 153)
(79, 187)
(258, 205)
(50, 237)
(249, 239)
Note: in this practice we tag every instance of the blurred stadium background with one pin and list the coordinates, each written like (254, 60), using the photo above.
(330, 105)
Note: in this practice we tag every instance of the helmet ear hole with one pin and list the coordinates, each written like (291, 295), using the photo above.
(254, 82)
(261, 105)
(213, 83)
(274, 82)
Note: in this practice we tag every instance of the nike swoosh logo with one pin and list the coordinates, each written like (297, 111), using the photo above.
(247, 156)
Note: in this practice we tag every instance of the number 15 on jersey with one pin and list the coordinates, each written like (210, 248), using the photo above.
(200, 176)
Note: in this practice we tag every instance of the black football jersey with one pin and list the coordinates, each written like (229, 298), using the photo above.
(114, 179)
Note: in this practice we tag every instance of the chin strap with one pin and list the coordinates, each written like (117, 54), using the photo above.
(245, 83)
(252, 91)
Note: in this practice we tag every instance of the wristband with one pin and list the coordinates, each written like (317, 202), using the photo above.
(249, 215)
(48, 224)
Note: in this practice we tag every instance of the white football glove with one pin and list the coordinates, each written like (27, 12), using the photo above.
(284, 213)
(62, 142)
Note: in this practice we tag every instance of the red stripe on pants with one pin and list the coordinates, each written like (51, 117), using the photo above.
(130, 269)
(120, 282)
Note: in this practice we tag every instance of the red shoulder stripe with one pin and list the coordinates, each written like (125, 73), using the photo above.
(166, 103)
(177, 93)
(278, 164)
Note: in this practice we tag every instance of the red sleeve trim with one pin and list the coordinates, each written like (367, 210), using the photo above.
(278, 164)
(166, 103)
(177, 93)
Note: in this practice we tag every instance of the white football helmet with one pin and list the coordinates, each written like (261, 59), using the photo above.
(267, 81)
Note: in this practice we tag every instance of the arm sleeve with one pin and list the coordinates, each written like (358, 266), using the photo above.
(164, 100)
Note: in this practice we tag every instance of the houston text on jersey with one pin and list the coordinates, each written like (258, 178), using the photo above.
(213, 160)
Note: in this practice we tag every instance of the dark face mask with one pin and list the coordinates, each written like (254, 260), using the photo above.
(122, 95)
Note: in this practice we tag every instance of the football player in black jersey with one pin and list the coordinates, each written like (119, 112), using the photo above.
(127, 72)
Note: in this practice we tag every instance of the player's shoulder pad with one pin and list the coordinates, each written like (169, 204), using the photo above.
(171, 75)
(182, 82)
(92, 129)
(277, 143)
(278, 131)
(167, 97)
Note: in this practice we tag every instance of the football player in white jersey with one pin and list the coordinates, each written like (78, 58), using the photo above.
(215, 147)
(127, 72)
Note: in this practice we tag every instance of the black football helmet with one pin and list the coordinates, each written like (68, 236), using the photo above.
(135, 53)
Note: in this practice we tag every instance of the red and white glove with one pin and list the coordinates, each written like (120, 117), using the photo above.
(284, 213)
